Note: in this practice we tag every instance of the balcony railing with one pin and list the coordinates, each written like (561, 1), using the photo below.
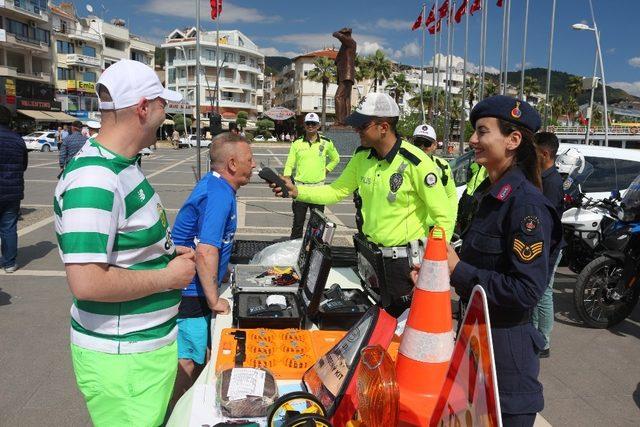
(581, 130)
(41, 77)
(85, 36)
(6, 71)
(32, 43)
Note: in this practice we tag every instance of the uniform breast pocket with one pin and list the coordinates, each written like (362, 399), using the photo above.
(489, 248)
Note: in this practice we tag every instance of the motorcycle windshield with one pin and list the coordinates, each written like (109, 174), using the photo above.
(630, 203)
(573, 182)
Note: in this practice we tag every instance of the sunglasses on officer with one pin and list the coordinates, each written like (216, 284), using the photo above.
(420, 141)
(311, 123)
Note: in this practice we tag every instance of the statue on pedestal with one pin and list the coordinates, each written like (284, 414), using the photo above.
(346, 66)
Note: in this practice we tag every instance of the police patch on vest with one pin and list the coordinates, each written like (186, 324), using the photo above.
(567, 183)
(431, 179)
(529, 224)
(395, 181)
(526, 253)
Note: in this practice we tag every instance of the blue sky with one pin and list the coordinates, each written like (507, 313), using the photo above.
(289, 27)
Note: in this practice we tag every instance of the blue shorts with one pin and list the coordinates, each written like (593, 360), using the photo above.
(193, 338)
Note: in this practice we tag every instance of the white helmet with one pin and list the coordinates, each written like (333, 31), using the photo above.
(570, 161)
(312, 117)
(425, 131)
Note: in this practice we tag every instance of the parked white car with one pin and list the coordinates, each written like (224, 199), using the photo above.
(41, 141)
(613, 168)
(191, 142)
(261, 138)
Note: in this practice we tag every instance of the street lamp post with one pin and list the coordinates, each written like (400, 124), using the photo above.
(594, 83)
(583, 27)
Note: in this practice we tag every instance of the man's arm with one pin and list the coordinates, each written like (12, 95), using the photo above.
(106, 283)
(207, 258)
(62, 156)
(428, 185)
(346, 183)
(334, 157)
(291, 161)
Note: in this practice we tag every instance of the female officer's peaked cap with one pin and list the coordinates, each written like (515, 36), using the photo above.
(509, 109)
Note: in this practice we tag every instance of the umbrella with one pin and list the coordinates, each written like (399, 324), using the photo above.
(279, 113)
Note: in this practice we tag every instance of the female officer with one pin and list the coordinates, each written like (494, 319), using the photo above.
(512, 235)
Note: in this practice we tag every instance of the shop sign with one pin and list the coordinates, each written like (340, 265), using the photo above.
(39, 104)
(81, 86)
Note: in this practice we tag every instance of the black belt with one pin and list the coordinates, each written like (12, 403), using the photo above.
(505, 319)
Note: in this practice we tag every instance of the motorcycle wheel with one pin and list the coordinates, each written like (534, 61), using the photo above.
(592, 294)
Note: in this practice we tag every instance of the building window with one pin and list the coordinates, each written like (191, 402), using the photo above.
(89, 51)
(229, 57)
(209, 54)
(89, 76)
(66, 74)
(172, 76)
(330, 102)
(252, 62)
(114, 44)
(191, 54)
(242, 60)
(64, 47)
(140, 57)
(240, 41)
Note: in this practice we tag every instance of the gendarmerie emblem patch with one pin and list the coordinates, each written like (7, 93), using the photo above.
(525, 252)
(529, 224)
(431, 179)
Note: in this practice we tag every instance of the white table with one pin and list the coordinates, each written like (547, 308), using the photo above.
(193, 408)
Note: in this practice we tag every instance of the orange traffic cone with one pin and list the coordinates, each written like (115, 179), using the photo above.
(427, 341)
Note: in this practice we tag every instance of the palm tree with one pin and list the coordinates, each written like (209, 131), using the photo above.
(558, 107)
(530, 86)
(571, 106)
(363, 68)
(490, 88)
(380, 68)
(472, 90)
(324, 72)
(399, 85)
(574, 86)
(427, 98)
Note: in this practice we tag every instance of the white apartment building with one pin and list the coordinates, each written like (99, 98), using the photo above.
(240, 79)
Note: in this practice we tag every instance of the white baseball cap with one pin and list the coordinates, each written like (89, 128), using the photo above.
(312, 117)
(93, 124)
(373, 105)
(425, 131)
(128, 81)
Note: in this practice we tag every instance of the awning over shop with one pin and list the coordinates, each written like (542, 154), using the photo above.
(58, 116)
(231, 89)
(37, 115)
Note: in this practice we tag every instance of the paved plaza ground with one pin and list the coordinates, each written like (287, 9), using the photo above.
(591, 379)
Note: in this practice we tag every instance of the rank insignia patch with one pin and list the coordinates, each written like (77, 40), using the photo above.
(526, 253)
(431, 179)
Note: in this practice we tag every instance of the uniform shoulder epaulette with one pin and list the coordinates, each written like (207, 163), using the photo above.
(441, 163)
(409, 156)
(361, 148)
(325, 138)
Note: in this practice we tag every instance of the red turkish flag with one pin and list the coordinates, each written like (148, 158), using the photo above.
(444, 9)
(432, 16)
(216, 8)
(475, 6)
(418, 22)
(461, 11)
(499, 3)
(435, 28)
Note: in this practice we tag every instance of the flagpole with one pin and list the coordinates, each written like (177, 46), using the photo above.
(504, 38)
(433, 66)
(439, 36)
(198, 165)
(447, 74)
(218, 66)
(463, 115)
(483, 45)
(547, 100)
(524, 48)
(424, 29)
(506, 49)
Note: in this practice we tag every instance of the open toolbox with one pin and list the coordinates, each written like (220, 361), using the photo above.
(286, 353)
(332, 308)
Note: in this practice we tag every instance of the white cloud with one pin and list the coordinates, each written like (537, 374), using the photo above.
(230, 12)
(411, 49)
(630, 87)
(272, 51)
(611, 50)
(457, 63)
(518, 65)
(369, 48)
(314, 41)
(384, 24)
(635, 62)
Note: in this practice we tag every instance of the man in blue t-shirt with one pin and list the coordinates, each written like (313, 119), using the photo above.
(207, 222)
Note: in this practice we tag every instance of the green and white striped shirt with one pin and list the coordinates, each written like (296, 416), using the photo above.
(107, 212)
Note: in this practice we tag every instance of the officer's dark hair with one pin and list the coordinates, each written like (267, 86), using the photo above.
(547, 141)
(392, 121)
(526, 156)
(5, 116)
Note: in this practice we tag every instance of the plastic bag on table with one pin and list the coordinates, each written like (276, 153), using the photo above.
(282, 253)
(246, 392)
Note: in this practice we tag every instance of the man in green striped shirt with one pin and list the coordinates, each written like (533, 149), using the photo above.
(122, 266)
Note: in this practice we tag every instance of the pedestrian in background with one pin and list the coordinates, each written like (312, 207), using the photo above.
(547, 148)
(58, 136)
(175, 139)
(71, 144)
(122, 266)
(13, 163)
(312, 156)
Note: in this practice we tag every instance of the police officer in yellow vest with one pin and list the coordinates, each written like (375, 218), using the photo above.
(424, 137)
(401, 191)
(308, 156)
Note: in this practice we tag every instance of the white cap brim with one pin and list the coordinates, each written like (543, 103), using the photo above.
(171, 95)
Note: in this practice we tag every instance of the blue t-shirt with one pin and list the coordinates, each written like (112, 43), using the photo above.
(208, 216)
